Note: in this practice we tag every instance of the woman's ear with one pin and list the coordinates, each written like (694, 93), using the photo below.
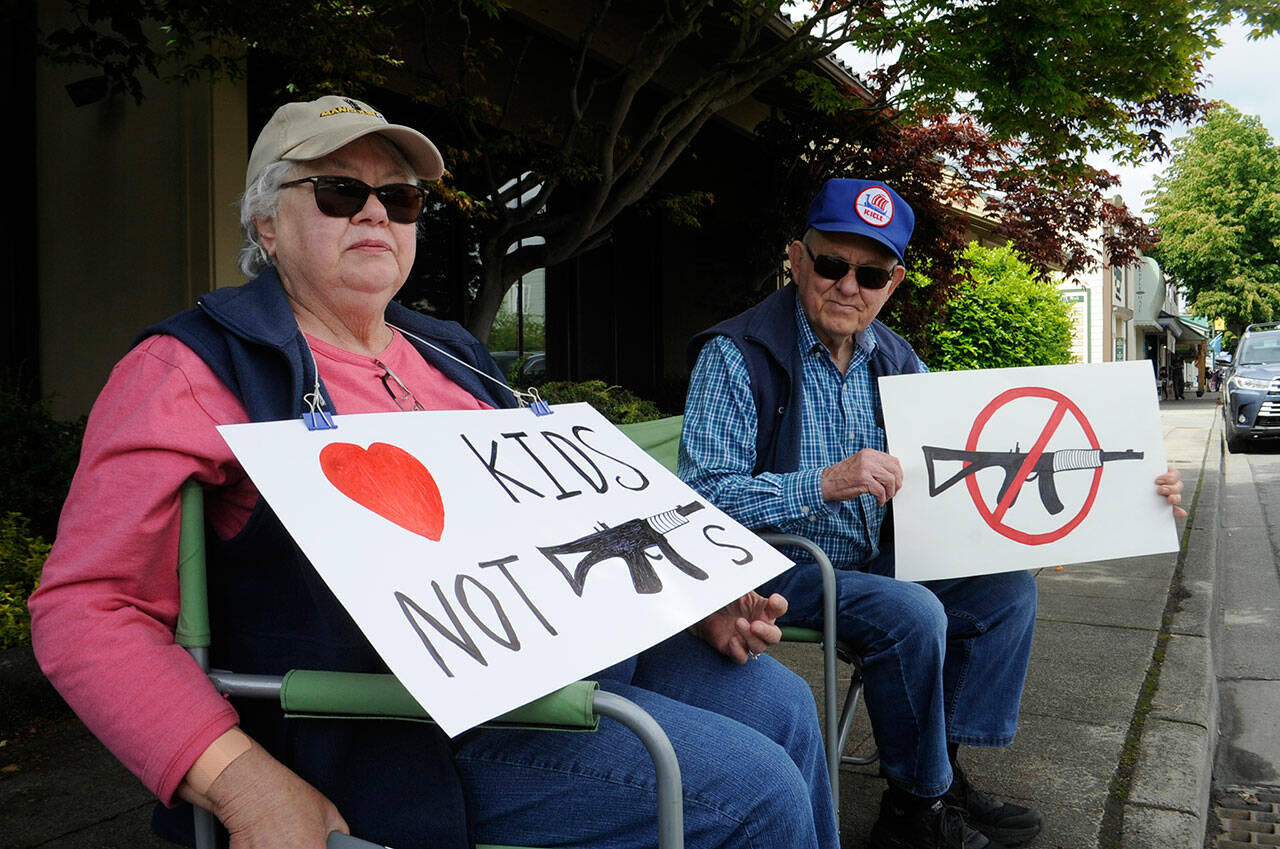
(266, 228)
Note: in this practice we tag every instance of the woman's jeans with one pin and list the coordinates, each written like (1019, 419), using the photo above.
(941, 660)
(747, 738)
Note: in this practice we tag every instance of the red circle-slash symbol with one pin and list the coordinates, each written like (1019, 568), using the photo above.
(995, 517)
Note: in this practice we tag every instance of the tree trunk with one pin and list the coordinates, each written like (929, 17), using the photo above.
(488, 299)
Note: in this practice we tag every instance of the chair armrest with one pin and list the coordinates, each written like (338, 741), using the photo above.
(356, 695)
(192, 631)
(796, 634)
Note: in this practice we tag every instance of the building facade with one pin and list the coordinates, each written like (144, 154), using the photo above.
(1134, 312)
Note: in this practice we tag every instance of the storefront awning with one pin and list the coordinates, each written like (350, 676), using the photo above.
(1183, 330)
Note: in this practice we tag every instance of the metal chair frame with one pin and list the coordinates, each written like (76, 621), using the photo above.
(388, 699)
(660, 438)
(838, 718)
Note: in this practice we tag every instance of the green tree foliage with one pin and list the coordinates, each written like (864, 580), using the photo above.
(1217, 206)
(1003, 315)
(21, 557)
(556, 137)
(506, 332)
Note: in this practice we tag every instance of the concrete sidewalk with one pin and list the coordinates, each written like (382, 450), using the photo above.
(1116, 734)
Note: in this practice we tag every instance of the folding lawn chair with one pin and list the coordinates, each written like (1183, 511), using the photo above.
(320, 694)
(660, 439)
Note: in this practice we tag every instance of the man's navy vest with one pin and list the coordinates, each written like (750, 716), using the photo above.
(394, 782)
(766, 336)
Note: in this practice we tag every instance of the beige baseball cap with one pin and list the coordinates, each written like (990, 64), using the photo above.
(302, 131)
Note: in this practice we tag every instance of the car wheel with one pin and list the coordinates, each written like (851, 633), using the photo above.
(1235, 444)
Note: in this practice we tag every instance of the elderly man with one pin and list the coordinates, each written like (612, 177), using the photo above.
(783, 429)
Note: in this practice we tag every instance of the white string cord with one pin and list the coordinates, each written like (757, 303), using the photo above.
(313, 399)
(524, 398)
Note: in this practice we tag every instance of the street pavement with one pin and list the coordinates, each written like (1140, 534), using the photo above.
(1246, 775)
(1115, 744)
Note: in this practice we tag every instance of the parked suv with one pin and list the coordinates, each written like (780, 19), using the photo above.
(1251, 392)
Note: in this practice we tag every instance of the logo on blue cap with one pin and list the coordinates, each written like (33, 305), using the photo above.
(874, 206)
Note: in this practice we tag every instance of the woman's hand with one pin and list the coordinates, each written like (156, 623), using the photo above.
(743, 628)
(1170, 486)
(265, 805)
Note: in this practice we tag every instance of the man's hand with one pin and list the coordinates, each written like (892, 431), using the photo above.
(744, 627)
(1170, 486)
(867, 471)
(264, 805)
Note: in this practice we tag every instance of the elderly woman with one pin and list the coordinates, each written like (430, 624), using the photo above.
(330, 211)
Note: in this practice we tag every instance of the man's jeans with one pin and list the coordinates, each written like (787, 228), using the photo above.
(942, 661)
(746, 736)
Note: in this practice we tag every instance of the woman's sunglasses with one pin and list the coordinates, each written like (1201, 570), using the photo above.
(343, 197)
(868, 276)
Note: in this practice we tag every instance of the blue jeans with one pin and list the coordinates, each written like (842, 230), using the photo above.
(942, 660)
(746, 736)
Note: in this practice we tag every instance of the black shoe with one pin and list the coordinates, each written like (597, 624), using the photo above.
(1011, 825)
(936, 826)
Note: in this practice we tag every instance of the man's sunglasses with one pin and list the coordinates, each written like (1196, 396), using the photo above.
(343, 197)
(832, 268)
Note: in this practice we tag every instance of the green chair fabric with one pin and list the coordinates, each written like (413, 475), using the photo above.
(308, 693)
(660, 438)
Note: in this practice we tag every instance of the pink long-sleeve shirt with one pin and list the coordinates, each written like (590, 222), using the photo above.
(102, 620)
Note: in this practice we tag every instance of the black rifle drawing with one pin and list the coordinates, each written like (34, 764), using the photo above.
(629, 542)
(1046, 466)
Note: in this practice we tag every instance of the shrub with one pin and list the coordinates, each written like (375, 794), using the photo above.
(38, 456)
(1002, 316)
(21, 557)
(616, 404)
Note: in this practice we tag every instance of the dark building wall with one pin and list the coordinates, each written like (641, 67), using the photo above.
(624, 312)
(19, 342)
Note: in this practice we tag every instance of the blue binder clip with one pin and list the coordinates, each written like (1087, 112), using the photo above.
(537, 405)
(317, 418)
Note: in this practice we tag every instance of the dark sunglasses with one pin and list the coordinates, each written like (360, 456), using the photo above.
(343, 197)
(832, 268)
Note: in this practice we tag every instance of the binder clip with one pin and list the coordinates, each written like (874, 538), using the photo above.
(317, 418)
(537, 405)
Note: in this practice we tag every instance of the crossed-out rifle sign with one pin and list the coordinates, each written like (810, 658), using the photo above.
(1022, 467)
(1088, 436)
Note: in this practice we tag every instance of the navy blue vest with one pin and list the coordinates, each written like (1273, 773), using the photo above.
(766, 336)
(395, 783)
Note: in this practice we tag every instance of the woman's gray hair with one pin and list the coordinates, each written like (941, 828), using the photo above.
(262, 196)
(259, 201)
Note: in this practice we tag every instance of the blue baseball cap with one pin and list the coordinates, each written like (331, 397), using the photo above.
(865, 207)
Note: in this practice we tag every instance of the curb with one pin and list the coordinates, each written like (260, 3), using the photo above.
(1168, 801)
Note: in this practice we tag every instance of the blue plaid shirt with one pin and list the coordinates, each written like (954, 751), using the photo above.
(718, 445)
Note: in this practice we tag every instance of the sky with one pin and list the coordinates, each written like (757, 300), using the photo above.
(1245, 74)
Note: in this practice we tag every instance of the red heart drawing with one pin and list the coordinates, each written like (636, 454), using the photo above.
(389, 481)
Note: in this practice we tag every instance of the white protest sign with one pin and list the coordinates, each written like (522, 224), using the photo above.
(1017, 468)
(494, 556)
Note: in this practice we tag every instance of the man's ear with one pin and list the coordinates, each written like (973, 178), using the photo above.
(795, 251)
(899, 274)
